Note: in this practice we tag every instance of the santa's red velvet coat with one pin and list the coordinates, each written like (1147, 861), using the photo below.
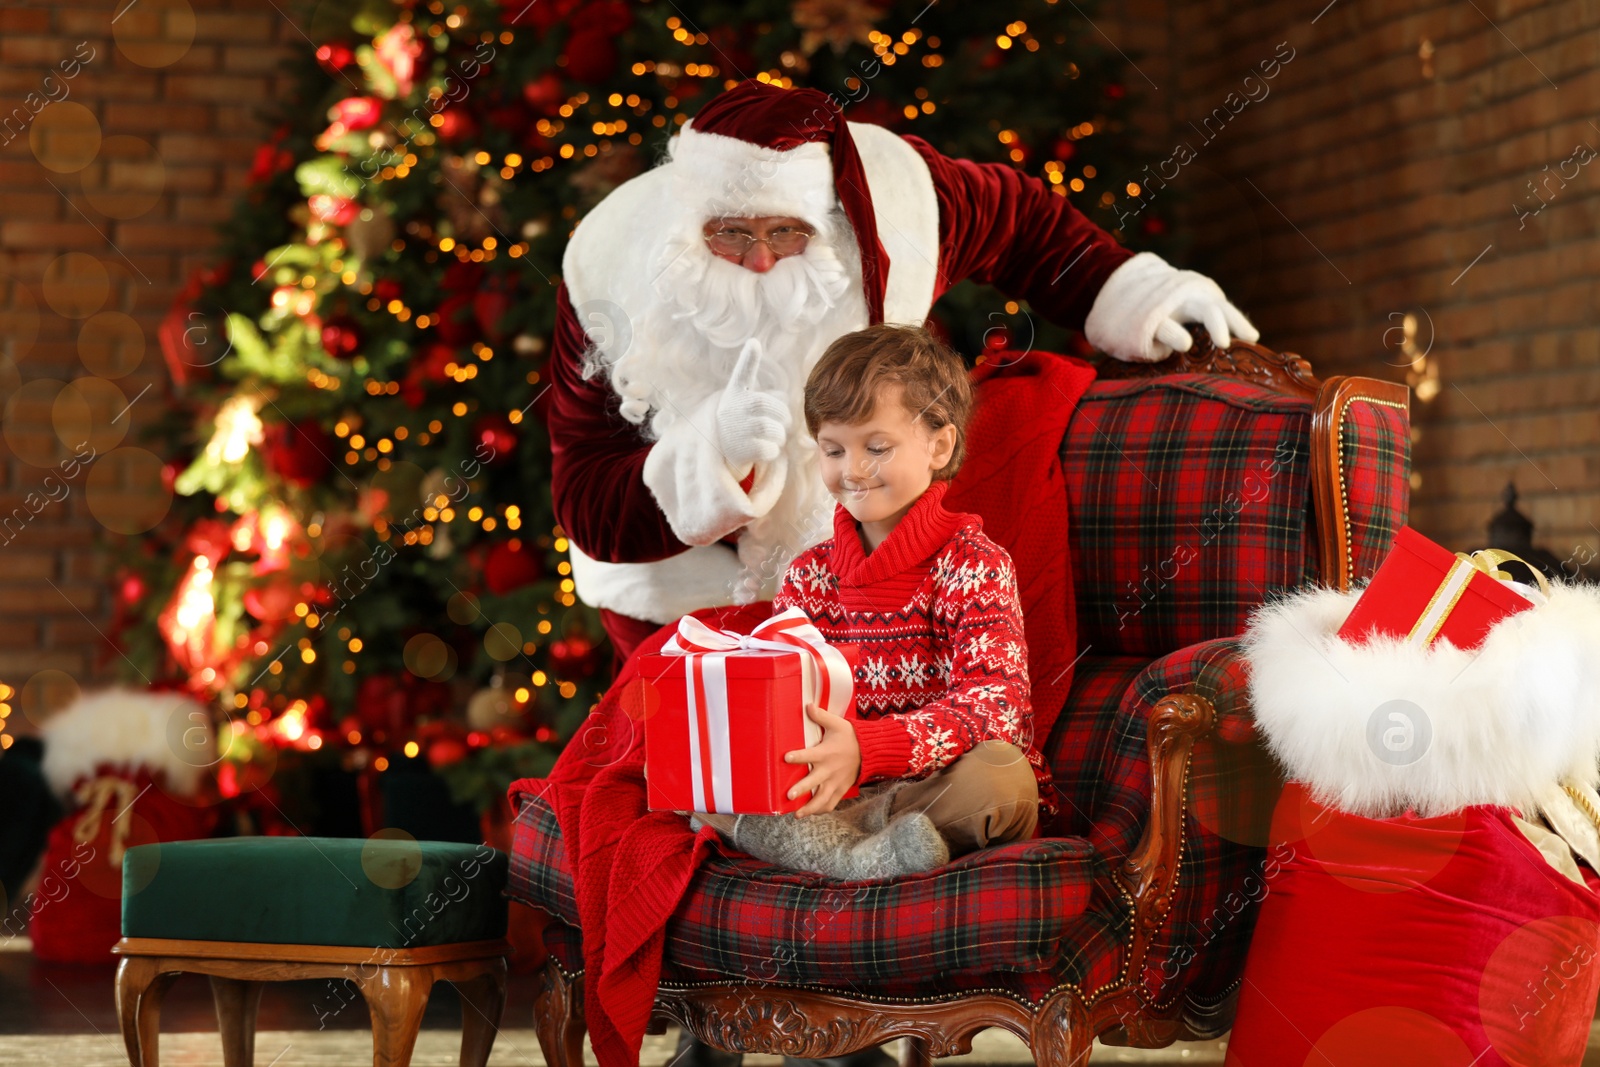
(956, 220)
(942, 660)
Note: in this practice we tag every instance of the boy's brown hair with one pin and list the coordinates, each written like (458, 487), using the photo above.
(844, 385)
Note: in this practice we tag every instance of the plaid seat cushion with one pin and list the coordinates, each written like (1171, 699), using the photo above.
(1191, 501)
(1016, 910)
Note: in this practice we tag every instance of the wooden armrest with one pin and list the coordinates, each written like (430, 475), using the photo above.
(1151, 870)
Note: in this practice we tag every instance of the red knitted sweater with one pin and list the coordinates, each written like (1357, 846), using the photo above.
(942, 664)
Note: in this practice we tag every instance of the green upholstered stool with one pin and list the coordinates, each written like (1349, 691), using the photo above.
(392, 915)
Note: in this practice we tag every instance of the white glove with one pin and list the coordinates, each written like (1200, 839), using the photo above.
(1139, 313)
(752, 426)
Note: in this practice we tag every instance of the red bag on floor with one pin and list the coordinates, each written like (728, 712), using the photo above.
(1444, 941)
(128, 766)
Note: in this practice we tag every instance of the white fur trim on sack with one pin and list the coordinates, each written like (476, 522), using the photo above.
(162, 732)
(1379, 728)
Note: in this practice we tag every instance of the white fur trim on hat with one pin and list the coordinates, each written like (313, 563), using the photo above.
(1379, 728)
(164, 733)
(731, 177)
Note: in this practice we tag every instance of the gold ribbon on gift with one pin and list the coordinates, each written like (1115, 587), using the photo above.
(96, 796)
(1456, 579)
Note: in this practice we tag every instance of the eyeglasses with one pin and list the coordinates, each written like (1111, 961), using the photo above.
(783, 242)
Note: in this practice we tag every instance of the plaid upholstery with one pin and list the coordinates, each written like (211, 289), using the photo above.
(1077, 745)
(1375, 468)
(1006, 910)
(1190, 498)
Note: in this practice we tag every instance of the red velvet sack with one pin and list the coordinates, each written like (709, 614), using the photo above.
(1445, 942)
(77, 909)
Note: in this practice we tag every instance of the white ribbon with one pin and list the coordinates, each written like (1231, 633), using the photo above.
(824, 677)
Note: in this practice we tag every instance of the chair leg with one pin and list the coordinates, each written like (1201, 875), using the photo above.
(483, 1002)
(558, 1015)
(397, 997)
(918, 1053)
(1062, 1036)
(141, 986)
(236, 1001)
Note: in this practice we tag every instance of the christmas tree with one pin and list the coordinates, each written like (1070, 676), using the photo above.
(363, 564)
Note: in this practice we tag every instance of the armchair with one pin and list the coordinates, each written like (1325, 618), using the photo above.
(1199, 487)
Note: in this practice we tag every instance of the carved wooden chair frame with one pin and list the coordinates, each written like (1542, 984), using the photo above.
(790, 1021)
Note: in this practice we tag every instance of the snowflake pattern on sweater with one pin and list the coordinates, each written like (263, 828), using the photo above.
(941, 649)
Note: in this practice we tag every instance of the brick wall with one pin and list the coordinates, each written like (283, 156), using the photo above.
(1378, 178)
(126, 132)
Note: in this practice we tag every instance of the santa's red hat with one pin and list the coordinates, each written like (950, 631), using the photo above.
(757, 149)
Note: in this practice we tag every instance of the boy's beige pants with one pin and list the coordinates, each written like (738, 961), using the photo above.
(987, 796)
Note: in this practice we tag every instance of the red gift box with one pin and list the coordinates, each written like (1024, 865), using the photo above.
(722, 709)
(1423, 592)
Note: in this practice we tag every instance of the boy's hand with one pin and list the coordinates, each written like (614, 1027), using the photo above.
(835, 762)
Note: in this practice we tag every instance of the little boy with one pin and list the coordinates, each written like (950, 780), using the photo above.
(943, 742)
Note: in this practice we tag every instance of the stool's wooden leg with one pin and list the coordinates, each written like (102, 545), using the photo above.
(483, 1001)
(397, 997)
(133, 978)
(236, 1001)
(141, 985)
(558, 1015)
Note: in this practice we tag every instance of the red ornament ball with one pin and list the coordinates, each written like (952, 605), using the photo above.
(591, 55)
(545, 94)
(299, 452)
(341, 337)
(456, 125)
(495, 437)
(445, 751)
(511, 565)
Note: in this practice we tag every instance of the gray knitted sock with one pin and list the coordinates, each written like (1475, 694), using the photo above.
(907, 845)
(799, 844)
(870, 811)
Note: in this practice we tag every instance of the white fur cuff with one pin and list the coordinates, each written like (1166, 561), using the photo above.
(660, 592)
(1379, 728)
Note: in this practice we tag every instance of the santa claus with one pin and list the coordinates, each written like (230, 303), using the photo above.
(697, 296)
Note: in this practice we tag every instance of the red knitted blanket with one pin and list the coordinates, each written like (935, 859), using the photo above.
(633, 866)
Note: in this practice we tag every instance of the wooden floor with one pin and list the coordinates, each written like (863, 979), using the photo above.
(54, 1015)
(440, 1048)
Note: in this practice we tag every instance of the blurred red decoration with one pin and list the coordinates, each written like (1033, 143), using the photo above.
(456, 125)
(272, 602)
(573, 657)
(397, 50)
(338, 210)
(591, 55)
(386, 289)
(300, 453)
(511, 565)
(498, 439)
(1064, 149)
(545, 94)
(341, 337)
(334, 56)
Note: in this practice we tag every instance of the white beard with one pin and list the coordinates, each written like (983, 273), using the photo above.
(680, 347)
